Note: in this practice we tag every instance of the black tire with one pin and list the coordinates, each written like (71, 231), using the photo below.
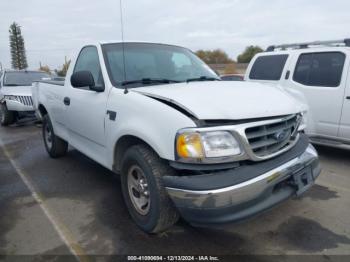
(55, 146)
(7, 117)
(162, 213)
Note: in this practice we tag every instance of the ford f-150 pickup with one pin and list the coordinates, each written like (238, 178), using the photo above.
(184, 142)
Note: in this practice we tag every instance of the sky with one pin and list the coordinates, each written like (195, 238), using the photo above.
(55, 29)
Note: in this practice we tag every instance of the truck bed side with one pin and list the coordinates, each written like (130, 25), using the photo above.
(48, 98)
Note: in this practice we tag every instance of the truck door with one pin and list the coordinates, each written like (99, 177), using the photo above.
(86, 108)
(344, 130)
(319, 76)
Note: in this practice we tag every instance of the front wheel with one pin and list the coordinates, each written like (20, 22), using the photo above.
(55, 146)
(145, 196)
(7, 117)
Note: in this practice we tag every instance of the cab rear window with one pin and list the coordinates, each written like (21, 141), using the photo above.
(268, 67)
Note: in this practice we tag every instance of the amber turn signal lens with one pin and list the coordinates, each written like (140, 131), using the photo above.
(189, 145)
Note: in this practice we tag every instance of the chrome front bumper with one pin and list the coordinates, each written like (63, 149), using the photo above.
(18, 106)
(272, 187)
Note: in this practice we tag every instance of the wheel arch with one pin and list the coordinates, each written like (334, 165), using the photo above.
(122, 145)
(42, 110)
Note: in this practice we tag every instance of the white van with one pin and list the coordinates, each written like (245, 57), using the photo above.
(320, 71)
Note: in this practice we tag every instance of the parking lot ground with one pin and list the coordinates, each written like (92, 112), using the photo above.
(72, 205)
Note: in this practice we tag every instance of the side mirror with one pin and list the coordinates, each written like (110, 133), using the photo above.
(97, 88)
(83, 79)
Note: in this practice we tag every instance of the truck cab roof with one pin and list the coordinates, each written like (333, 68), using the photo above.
(99, 43)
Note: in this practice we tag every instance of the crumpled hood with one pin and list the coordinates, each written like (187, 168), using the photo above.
(16, 90)
(226, 100)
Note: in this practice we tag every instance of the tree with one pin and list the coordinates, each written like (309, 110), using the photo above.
(18, 52)
(63, 71)
(216, 56)
(230, 69)
(249, 53)
(45, 68)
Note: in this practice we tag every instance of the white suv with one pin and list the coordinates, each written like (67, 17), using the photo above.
(319, 70)
(16, 94)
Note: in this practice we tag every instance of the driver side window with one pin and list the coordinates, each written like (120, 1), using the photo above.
(88, 61)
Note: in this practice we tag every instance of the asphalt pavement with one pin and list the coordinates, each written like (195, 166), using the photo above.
(74, 206)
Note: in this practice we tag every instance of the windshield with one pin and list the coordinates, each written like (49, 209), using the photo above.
(23, 78)
(145, 61)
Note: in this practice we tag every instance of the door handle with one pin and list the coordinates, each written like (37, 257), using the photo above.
(66, 101)
(348, 97)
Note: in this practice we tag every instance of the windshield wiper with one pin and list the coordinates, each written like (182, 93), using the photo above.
(203, 78)
(148, 81)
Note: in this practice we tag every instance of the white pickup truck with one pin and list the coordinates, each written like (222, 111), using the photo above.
(184, 142)
(320, 71)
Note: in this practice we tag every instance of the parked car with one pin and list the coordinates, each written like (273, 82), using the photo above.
(184, 142)
(232, 77)
(16, 95)
(320, 70)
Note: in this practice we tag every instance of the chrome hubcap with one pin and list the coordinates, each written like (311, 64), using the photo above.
(138, 190)
(48, 136)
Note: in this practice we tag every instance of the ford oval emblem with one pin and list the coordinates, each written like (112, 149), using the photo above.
(281, 135)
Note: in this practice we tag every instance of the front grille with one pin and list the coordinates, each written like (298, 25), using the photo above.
(268, 139)
(26, 100)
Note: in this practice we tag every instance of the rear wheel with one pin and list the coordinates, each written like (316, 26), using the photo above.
(55, 146)
(145, 196)
(7, 117)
